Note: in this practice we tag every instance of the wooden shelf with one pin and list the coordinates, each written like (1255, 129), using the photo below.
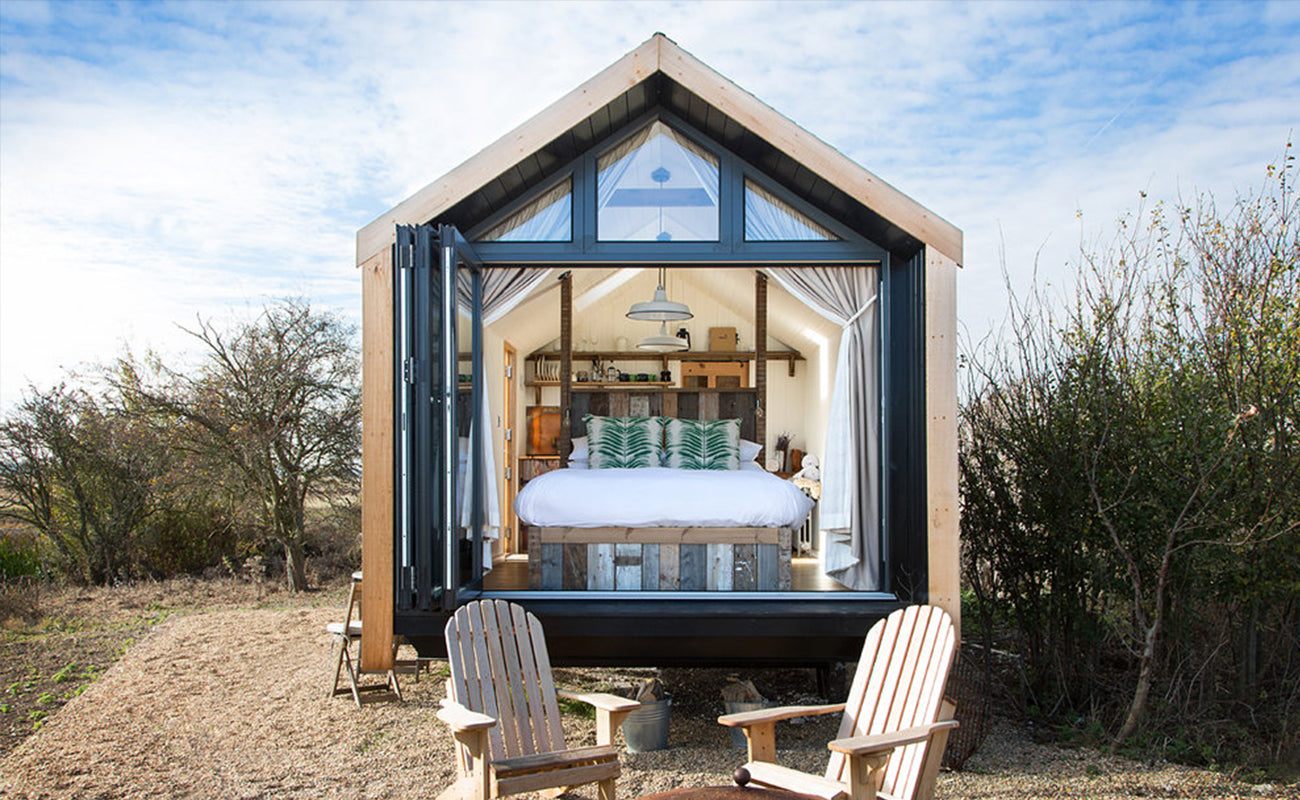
(658, 386)
(740, 355)
(681, 355)
(669, 387)
(578, 385)
(788, 356)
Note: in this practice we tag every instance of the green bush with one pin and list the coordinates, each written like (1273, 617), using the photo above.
(137, 470)
(19, 554)
(1130, 477)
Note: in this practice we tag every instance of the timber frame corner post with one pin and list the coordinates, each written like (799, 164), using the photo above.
(377, 515)
(942, 490)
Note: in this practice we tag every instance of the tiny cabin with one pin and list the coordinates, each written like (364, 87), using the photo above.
(666, 369)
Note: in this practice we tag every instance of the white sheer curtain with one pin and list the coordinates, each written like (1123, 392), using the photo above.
(503, 288)
(613, 166)
(632, 167)
(768, 218)
(850, 500)
(549, 218)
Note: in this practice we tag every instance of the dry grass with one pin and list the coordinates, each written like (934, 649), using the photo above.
(222, 695)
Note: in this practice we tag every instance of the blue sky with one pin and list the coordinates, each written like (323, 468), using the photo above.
(161, 160)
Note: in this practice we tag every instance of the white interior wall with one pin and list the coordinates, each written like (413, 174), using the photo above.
(494, 374)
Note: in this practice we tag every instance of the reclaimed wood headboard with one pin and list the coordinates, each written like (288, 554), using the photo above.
(739, 404)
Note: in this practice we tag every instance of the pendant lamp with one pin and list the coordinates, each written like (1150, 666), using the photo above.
(662, 342)
(660, 309)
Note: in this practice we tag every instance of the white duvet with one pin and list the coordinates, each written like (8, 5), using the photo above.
(658, 497)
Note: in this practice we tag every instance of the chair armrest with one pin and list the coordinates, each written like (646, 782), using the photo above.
(746, 718)
(461, 719)
(884, 742)
(604, 702)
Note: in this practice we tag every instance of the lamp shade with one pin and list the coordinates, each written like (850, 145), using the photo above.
(662, 342)
(660, 309)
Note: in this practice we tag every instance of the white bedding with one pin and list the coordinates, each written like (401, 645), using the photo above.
(658, 497)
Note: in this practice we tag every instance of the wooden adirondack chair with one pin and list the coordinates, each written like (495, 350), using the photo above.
(502, 708)
(896, 721)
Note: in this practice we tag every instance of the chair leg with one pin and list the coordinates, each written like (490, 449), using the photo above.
(352, 674)
(862, 775)
(350, 662)
(605, 789)
(337, 660)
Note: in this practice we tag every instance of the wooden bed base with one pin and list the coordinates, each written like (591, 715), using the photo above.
(659, 559)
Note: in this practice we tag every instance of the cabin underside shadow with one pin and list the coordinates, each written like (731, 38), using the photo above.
(712, 631)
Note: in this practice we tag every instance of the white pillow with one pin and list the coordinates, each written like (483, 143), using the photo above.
(749, 450)
(580, 452)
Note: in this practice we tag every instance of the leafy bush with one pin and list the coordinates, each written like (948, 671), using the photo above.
(138, 470)
(1130, 470)
(19, 556)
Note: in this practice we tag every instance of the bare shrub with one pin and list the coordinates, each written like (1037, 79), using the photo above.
(1130, 473)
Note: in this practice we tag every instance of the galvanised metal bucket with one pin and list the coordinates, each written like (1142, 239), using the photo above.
(646, 728)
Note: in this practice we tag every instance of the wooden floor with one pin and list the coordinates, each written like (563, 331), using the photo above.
(805, 576)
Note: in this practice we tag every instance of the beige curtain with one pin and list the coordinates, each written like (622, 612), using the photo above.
(850, 500)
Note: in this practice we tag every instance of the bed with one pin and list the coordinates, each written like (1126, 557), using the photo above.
(661, 529)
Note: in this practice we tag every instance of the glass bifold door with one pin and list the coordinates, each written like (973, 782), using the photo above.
(439, 395)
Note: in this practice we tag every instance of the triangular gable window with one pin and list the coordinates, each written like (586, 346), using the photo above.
(657, 185)
(770, 219)
(549, 218)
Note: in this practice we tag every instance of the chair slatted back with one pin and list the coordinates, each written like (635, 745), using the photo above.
(899, 683)
(500, 667)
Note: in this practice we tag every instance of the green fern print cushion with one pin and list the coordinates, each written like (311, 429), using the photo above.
(703, 444)
(623, 442)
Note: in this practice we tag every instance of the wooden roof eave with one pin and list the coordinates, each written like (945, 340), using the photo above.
(661, 54)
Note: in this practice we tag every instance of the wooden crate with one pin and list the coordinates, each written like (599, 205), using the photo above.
(715, 374)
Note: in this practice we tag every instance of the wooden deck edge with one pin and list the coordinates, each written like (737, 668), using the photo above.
(568, 535)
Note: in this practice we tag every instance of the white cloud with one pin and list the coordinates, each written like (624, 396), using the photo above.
(158, 161)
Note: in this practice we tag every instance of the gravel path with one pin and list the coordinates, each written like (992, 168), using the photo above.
(231, 704)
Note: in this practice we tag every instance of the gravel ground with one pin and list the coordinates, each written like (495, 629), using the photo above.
(231, 703)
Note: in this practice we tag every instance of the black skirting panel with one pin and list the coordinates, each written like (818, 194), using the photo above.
(660, 633)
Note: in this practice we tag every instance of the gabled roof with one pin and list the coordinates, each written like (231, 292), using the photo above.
(660, 72)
